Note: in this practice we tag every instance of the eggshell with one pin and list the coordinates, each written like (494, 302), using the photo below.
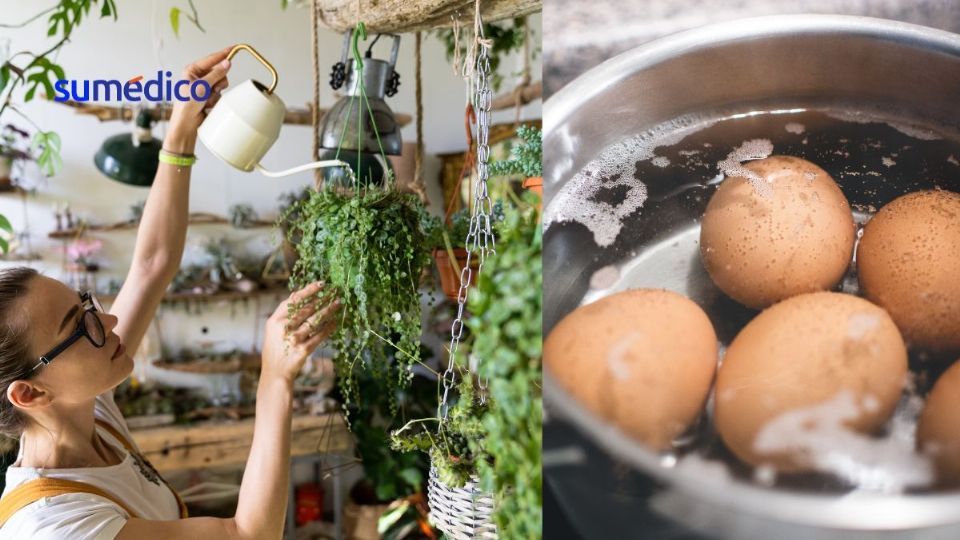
(938, 434)
(800, 353)
(642, 359)
(908, 262)
(785, 230)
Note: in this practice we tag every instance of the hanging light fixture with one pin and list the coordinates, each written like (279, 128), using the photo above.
(131, 159)
(360, 127)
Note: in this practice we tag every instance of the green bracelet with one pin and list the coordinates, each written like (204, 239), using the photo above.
(177, 159)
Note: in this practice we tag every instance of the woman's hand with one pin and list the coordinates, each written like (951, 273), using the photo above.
(290, 339)
(187, 115)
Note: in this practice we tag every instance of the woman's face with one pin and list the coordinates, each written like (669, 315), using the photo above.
(81, 371)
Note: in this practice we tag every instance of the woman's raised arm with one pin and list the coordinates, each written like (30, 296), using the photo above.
(163, 227)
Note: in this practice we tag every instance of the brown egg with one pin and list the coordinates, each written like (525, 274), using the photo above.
(642, 359)
(938, 434)
(784, 231)
(908, 262)
(782, 373)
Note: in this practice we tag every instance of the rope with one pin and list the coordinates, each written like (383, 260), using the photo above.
(418, 186)
(456, 44)
(315, 118)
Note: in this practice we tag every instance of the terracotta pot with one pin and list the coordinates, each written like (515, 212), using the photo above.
(449, 275)
(360, 520)
(535, 184)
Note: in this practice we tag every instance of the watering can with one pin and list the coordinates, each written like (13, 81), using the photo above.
(245, 123)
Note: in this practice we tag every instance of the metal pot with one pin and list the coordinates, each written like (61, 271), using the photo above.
(751, 64)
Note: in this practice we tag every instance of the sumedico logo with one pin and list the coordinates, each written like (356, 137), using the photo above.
(163, 88)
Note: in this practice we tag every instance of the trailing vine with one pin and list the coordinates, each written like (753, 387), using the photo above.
(370, 250)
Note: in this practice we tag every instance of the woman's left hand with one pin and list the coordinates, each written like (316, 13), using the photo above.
(188, 115)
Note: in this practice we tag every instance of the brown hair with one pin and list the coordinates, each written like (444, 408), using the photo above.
(14, 346)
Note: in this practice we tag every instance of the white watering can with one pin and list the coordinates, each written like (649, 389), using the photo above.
(245, 123)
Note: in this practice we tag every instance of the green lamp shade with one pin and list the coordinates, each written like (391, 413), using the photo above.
(120, 160)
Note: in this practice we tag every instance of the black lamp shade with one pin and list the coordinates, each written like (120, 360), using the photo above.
(120, 159)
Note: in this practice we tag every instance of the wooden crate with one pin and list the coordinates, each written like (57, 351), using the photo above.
(215, 444)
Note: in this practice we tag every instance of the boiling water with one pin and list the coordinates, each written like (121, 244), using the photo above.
(641, 201)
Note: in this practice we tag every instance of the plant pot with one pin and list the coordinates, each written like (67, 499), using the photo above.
(360, 520)
(534, 184)
(449, 274)
(6, 183)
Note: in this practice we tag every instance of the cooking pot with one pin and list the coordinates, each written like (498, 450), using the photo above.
(760, 64)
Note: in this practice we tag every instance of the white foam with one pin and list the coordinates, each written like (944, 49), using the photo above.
(614, 167)
(661, 161)
(605, 277)
(860, 117)
(888, 161)
(860, 324)
(794, 127)
(888, 464)
(616, 356)
(750, 150)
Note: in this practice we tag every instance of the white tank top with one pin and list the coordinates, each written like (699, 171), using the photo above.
(84, 516)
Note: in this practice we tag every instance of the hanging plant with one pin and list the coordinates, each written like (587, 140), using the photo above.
(499, 440)
(369, 248)
(508, 343)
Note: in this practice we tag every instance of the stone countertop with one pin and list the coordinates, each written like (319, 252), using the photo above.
(579, 34)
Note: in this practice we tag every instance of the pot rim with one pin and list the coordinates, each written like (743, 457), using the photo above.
(854, 511)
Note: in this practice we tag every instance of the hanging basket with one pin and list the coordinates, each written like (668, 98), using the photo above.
(464, 513)
(401, 16)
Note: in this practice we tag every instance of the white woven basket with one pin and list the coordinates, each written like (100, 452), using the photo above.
(464, 513)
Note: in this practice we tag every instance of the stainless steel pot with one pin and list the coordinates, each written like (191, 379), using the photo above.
(743, 65)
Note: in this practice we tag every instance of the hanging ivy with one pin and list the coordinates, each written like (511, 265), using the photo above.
(370, 250)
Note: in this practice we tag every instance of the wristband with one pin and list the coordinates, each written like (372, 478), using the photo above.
(179, 160)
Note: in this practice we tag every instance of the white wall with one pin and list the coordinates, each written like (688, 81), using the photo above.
(141, 42)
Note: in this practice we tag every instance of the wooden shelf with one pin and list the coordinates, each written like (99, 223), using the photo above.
(219, 443)
(12, 189)
(222, 296)
(196, 218)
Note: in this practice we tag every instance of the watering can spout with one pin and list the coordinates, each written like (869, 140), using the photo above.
(301, 168)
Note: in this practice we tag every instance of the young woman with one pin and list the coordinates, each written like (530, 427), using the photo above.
(61, 357)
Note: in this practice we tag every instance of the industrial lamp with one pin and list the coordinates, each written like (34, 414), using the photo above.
(131, 158)
(360, 127)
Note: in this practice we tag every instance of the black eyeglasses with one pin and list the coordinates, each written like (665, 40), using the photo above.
(89, 327)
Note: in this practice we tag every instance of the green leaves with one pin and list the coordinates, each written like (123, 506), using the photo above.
(48, 144)
(506, 325)
(4, 76)
(7, 228)
(175, 21)
(42, 72)
(526, 158)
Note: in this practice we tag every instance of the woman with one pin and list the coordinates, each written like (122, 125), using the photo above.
(61, 357)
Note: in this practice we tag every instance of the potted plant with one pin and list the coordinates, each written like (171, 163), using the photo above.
(497, 439)
(14, 149)
(526, 158)
(446, 239)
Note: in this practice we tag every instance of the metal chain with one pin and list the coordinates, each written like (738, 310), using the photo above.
(479, 239)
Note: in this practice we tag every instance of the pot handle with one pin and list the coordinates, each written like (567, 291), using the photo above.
(251, 50)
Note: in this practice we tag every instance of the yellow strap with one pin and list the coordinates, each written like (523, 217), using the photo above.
(130, 448)
(34, 490)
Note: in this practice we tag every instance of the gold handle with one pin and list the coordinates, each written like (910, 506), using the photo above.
(262, 60)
